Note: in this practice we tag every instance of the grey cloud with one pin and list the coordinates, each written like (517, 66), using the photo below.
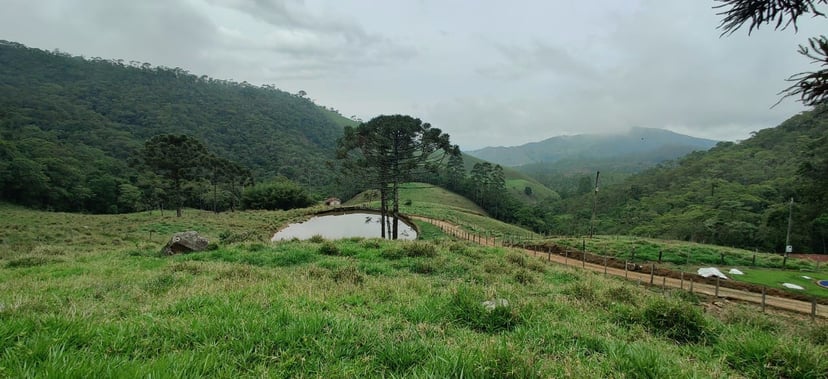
(539, 58)
(306, 45)
(160, 32)
(504, 74)
(659, 71)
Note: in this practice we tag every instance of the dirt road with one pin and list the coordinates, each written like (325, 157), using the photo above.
(813, 309)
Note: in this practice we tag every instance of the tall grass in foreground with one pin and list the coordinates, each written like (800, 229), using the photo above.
(362, 308)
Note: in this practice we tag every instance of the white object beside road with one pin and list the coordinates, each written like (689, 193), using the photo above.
(792, 286)
(711, 271)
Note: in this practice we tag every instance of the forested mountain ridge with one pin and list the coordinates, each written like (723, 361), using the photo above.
(645, 144)
(68, 126)
(734, 194)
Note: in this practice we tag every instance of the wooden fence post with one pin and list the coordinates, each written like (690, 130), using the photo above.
(813, 309)
(605, 265)
(717, 286)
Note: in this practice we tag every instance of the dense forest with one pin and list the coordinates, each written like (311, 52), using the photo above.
(71, 126)
(736, 194)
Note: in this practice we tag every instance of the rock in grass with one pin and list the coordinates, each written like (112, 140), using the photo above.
(490, 305)
(185, 242)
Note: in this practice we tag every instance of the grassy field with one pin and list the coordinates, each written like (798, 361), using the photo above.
(435, 202)
(89, 295)
(517, 188)
(765, 268)
(516, 182)
(352, 308)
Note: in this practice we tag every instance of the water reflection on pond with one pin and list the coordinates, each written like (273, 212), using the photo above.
(341, 226)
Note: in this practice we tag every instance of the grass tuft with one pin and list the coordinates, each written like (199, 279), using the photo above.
(347, 274)
(32, 261)
(466, 307)
(675, 320)
(329, 248)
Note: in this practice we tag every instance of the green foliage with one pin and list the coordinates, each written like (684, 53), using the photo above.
(676, 320)
(282, 194)
(329, 248)
(68, 126)
(419, 249)
(386, 151)
(733, 195)
(411, 249)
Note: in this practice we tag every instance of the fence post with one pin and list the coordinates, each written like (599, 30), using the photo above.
(663, 284)
(626, 264)
(691, 285)
(659, 256)
(566, 257)
(813, 309)
(682, 280)
(763, 299)
(605, 265)
(549, 254)
(652, 273)
(717, 286)
(583, 259)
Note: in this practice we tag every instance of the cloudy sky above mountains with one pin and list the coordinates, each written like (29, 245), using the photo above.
(489, 73)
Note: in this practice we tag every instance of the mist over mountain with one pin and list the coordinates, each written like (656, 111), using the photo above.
(636, 145)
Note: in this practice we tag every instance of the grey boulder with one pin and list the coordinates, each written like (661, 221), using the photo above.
(185, 242)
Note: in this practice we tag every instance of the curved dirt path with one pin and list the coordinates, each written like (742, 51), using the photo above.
(817, 310)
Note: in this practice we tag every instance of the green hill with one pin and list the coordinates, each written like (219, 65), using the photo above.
(634, 147)
(736, 194)
(516, 183)
(421, 194)
(68, 126)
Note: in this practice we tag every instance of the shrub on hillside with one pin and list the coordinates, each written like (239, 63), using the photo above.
(675, 320)
(282, 194)
(329, 248)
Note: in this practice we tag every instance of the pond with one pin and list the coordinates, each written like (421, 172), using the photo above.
(337, 226)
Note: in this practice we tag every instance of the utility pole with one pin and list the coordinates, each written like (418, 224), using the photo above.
(594, 205)
(788, 247)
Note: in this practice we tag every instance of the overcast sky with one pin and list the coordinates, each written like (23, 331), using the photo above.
(490, 73)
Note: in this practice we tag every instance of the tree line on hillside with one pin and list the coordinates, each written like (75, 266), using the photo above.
(735, 194)
(169, 172)
(68, 126)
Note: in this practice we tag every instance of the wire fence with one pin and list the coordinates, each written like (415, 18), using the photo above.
(646, 273)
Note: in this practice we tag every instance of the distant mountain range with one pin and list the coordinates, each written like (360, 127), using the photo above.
(642, 147)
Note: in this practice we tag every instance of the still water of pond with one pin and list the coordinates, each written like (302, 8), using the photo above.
(341, 226)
